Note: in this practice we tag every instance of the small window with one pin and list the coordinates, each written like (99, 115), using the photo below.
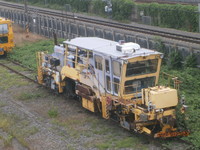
(3, 40)
(3, 28)
(116, 68)
(108, 83)
(107, 66)
(90, 54)
(116, 85)
(98, 62)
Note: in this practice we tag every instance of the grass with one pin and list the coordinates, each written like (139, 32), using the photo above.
(53, 112)
(109, 136)
(2, 104)
(26, 55)
(15, 126)
(31, 95)
(8, 122)
(8, 80)
(28, 96)
(8, 141)
(118, 143)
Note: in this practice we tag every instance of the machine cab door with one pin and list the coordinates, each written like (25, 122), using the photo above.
(112, 75)
(108, 75)
(99, 72)
(116, 75)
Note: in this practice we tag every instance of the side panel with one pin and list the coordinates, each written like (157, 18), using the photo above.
(69, 72)
(88, 104)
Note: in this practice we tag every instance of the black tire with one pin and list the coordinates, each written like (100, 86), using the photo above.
(4, 55)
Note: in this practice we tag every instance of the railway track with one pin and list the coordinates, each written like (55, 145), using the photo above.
(128, 27)
(148, 139)
(18, 73)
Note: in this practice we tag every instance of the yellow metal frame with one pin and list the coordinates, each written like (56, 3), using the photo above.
(124, 78)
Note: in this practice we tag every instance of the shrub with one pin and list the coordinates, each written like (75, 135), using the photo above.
(172, 16)
(191, 61)
(175, 60)
(160, 47)
(122, 9)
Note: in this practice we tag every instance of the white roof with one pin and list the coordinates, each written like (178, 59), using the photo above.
(107, 47)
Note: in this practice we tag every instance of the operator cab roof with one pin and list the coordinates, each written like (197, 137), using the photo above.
(4, 21)
(107, 47)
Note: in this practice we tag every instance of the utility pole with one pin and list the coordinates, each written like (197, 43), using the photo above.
(27, 17)
(25, 7)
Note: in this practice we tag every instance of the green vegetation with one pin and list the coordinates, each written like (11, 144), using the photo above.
(29, 95)
(26, 55)
(191, 61)
(8, 80)
(122, 9)
(15, 128)
(79, 126)
(190, 89)
(175, 60)
(173, 16)
(53, 112)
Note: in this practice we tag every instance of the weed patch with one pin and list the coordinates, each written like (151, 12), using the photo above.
(8, 80)
(16, 128)
(190, 88)
(26, 54)
(53, 112)
(27, 96)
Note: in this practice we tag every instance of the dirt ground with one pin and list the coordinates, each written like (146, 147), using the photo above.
(34, 118)
(21, 36)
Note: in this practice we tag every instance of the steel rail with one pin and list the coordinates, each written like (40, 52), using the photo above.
(18, 73)
(175, 36)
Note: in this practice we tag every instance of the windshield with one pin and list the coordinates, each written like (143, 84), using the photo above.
(141, 67)
(3, 28)
(133, 86)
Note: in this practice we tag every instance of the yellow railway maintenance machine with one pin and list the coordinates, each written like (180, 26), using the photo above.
(116, 79)
(6, 36)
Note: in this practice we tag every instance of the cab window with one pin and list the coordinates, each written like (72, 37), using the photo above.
(107, 66)
(116, 85)
(133, 86)
(116, 68)
(141, 67)
(98, 62)
(3, 28)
